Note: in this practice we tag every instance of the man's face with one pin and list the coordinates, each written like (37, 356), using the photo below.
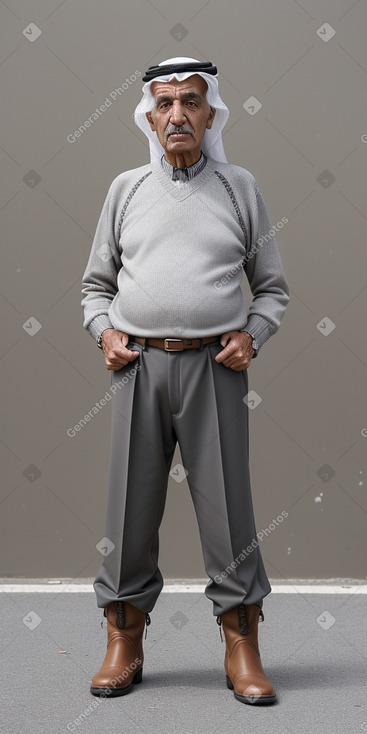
(180, 106)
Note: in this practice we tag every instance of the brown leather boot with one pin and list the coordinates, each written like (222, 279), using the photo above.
(123, 663)
(242, 663)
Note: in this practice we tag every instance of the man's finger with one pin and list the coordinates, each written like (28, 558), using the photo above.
(225, 353)
(124, 353)
(113, 365)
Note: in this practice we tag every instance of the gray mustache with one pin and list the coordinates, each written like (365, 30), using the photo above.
(174, 129)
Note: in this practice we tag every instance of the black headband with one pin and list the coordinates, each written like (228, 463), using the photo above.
(154, 71)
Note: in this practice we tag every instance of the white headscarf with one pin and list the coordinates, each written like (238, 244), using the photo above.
(212, 143)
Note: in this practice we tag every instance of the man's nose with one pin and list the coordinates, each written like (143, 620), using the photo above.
(177, 113)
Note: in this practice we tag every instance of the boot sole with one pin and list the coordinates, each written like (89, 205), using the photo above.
(252, 700)
(98, 691)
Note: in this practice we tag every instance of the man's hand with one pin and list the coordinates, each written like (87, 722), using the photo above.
(114, 348)
(238, 353)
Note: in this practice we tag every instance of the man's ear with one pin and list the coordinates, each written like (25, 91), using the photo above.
(210, 119)
(149, 117)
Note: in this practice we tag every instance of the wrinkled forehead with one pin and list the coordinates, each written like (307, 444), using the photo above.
(194, 83)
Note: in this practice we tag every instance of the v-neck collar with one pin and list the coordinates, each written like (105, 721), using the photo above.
(182, 192)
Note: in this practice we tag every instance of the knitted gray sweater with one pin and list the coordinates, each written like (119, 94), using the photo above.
(168, 260)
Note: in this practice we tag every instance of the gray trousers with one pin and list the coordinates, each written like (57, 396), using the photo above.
(186, 396)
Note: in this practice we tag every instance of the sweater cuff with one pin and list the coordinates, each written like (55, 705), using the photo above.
(259, 328)
(99, 324)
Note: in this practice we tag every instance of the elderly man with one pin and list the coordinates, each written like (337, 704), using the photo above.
(163, 299)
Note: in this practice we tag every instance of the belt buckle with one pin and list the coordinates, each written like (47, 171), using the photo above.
(172, 349)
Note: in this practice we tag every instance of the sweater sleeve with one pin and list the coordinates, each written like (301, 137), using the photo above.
(99, 282)
(265, 273)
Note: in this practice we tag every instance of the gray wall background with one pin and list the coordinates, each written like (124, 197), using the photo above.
(307, 149)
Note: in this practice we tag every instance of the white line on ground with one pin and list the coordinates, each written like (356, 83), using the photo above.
(70, 588)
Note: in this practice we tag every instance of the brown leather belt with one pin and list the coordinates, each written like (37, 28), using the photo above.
(171, 344)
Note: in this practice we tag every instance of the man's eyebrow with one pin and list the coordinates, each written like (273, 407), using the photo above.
(186, 95)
